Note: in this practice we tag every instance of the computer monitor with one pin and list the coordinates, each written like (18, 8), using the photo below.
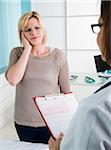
(101, 65)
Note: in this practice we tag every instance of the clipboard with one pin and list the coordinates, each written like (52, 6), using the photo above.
(57, 111)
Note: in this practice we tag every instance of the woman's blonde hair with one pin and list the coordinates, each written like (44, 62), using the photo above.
(24, 20)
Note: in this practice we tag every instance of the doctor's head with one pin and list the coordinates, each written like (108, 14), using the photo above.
(103, 29)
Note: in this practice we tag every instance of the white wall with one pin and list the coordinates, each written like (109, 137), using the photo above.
(68, 27)
(81, 42)
(53, 15)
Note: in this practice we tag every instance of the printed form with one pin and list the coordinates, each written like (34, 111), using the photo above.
(57, 111)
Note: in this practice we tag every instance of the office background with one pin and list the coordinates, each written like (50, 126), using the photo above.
(67, 24)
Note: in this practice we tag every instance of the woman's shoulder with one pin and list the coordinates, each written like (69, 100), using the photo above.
(17, 51)
(59, 53)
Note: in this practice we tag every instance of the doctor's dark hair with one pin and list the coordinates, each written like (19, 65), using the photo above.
(106, 16)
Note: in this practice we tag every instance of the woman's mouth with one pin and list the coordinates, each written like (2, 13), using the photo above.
(34, 38)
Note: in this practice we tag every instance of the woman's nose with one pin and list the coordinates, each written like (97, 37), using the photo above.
(33, 32)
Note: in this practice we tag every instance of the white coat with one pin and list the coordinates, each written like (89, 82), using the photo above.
(90, 128)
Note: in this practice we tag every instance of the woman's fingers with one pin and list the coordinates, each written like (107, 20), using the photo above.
(25, 42)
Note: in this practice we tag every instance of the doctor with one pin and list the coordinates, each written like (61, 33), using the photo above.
(90, 128)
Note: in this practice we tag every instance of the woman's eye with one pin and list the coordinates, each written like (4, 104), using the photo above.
(27, 30)
(37, 28)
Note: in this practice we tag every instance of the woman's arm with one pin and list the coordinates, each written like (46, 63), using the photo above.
(16, 71)
(64, 80)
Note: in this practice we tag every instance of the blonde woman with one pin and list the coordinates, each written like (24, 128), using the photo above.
(35, 70)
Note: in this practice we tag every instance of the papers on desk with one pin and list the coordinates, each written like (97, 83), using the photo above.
(57, 111)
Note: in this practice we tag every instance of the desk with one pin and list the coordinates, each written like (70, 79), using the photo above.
(83, 87)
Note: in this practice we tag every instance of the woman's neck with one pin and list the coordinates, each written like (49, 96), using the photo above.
(40, 51)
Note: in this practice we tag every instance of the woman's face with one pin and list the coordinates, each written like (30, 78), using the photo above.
(33, 32)
(100, 36)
